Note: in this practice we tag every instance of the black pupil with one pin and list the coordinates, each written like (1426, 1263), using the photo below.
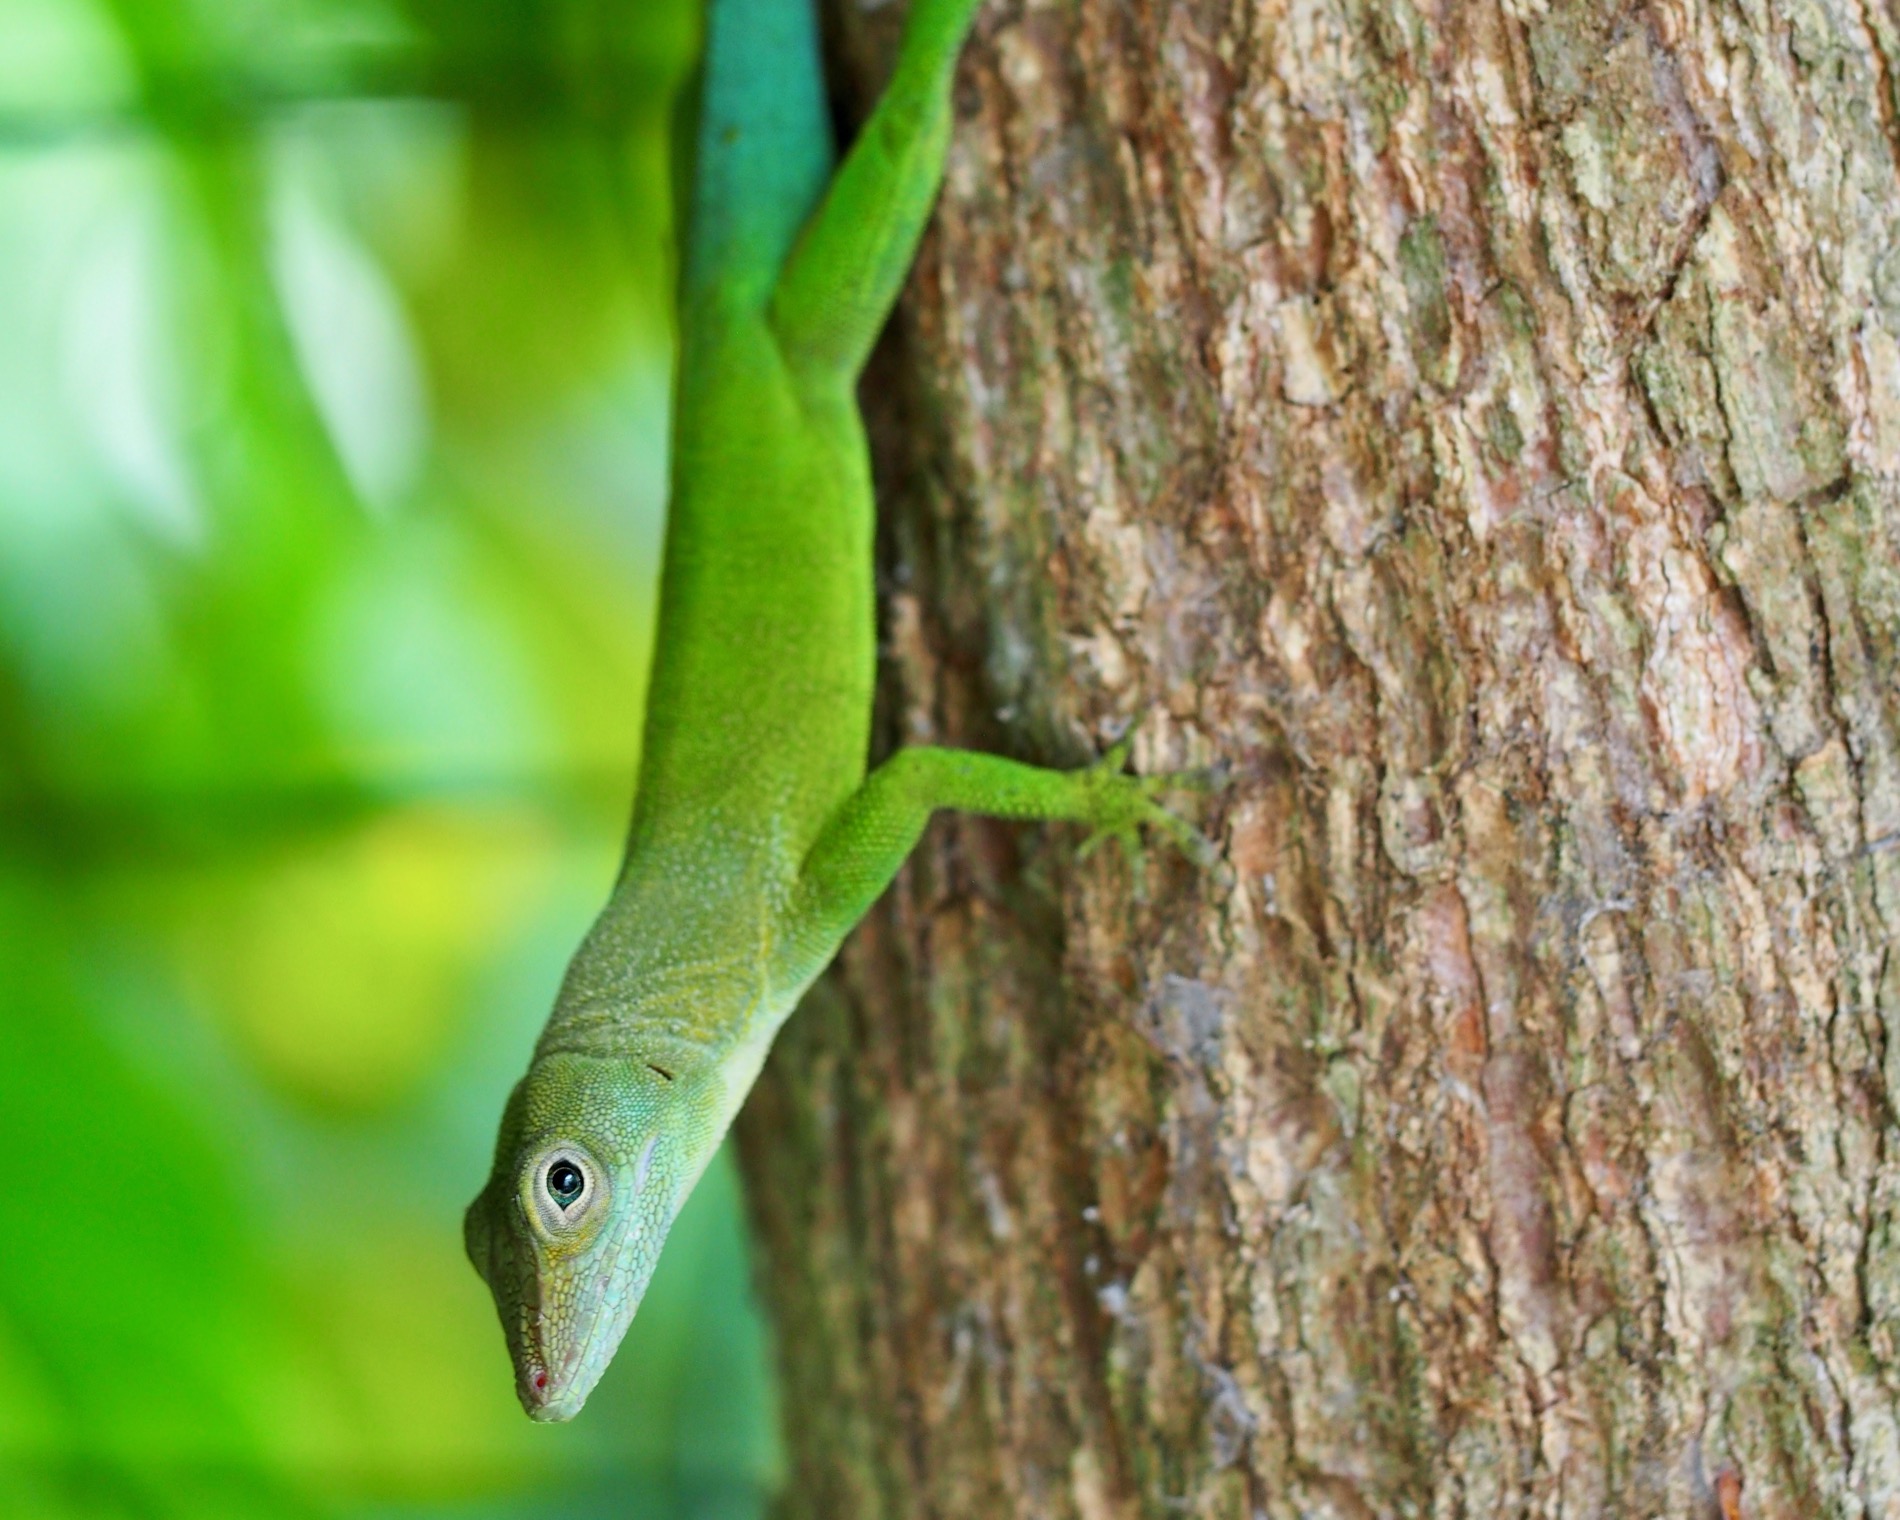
(565, 1182)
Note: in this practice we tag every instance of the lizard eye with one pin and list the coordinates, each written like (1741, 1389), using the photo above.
(566, 1182)
(562, 1189)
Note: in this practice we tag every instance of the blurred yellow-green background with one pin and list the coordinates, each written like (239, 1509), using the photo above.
(334, 348)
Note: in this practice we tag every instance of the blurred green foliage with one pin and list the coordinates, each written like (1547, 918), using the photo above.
(334, 348)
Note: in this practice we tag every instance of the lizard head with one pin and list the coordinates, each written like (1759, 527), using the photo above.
(594, 1159)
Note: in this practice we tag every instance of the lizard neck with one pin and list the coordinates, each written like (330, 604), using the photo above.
(676, 971)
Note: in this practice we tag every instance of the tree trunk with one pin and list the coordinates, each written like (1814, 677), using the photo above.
(1474, 431)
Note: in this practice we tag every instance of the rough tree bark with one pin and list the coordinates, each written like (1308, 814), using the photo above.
(1476, 427)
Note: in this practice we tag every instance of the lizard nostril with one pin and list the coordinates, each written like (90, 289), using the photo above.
(540, 1382)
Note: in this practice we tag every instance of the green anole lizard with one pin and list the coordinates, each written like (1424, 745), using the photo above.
(758, 840)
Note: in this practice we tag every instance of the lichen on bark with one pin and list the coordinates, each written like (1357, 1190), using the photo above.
(1473, 430)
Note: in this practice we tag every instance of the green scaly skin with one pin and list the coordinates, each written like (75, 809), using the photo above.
(758, 841)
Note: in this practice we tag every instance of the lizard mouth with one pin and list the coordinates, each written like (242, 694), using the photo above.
(544, 1399)
(557, 1370)
(551, 1387)
(537, 1381)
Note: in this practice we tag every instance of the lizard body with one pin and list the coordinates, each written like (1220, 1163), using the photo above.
(758, 840)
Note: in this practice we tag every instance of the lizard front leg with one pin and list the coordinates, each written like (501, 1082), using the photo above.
(870, 836)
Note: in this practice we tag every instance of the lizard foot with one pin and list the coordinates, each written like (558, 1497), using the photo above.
(1121, 804)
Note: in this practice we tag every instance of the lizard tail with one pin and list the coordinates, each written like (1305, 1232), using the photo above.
(761, 149)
